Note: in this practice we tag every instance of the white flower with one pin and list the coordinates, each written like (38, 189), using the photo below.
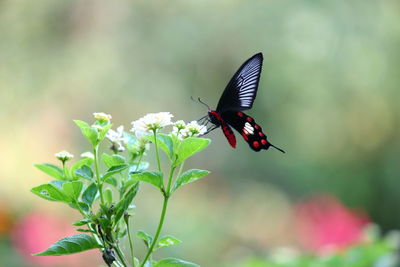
(102, 117)
(152, 122)
(117, 138)
(64, 155)
(178, 127)
(193, 129)
(87, 155)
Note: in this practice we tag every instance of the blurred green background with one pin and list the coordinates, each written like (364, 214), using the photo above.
(328, 96)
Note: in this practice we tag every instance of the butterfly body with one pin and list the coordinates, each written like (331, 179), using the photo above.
(237, 97)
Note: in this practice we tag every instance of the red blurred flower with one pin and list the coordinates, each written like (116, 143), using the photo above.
(36, 232)
(324, 224)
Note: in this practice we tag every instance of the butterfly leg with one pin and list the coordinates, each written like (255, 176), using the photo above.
(210, 129)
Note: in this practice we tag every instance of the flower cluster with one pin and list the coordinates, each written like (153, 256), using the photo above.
(102, 117)
(152, 122)
(117, 139)
(192, 129)
(64, 156)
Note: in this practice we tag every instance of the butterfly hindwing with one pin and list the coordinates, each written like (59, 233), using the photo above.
(251, 132)
(241, 90)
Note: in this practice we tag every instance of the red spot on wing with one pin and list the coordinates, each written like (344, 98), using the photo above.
(256, 144)
(256, 126)
(263, 141)
(260, 134)
(240, 114)
(245, 136)
(249, 119)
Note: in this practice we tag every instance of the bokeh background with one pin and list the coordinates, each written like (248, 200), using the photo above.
(328, 95)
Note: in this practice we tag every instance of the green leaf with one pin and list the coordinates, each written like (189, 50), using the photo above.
(70, 245)
(164, 142)
(111, 181)
(81, 222)
(83, 206)
(167, 241)
(52, 170)
(77, 165)
(171, 262)
(108, 195)
(125, 201)
(145, 237)
(154, 178)
(135, 167)
(73, 189)
(189, 177)
(58, 183)
(112, 160)
(50, 192)
(90, 133)
(85, 230)
(114, 170)
(190, 146)
(84, 172)
(89, 195)
(103, 132)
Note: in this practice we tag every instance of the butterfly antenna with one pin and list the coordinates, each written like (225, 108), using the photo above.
(281, 150)
(203, 103)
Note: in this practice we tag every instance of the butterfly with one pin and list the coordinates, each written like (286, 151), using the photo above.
(238, 96)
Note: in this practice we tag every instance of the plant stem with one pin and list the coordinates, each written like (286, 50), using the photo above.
(65, 170)
(157, 155)
(160, 224)
(162, 217)
(120, 255)
(96, 167)
(130, 243)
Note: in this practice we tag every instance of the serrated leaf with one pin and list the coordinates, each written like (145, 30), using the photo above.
(52, 170)
(171, 262)
(164, 142)
(189, 177)
(70, 245)
(190, 146)
(125, 202)
(73, 189)
(114, 170)
(77, 165)
(112, 181)
(90, 133)
(58, 183)
(167, 241)
(84, 172)
(112, 160)
(148, 239)
(83, 206)
(89, 195)
(50, 192)
(154, 178)
(81, 222)
(135, 167)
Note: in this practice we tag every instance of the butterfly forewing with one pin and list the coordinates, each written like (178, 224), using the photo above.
(241, 90)
(252, 132)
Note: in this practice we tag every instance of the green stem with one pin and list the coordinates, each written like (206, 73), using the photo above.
(160, 224)
(96, 167)
(158, 156)
(130, 242)
(120, 255)
(140, 160)
(65, 170)
(162, 217)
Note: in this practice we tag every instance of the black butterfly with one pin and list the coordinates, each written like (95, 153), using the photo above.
(238, 96)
